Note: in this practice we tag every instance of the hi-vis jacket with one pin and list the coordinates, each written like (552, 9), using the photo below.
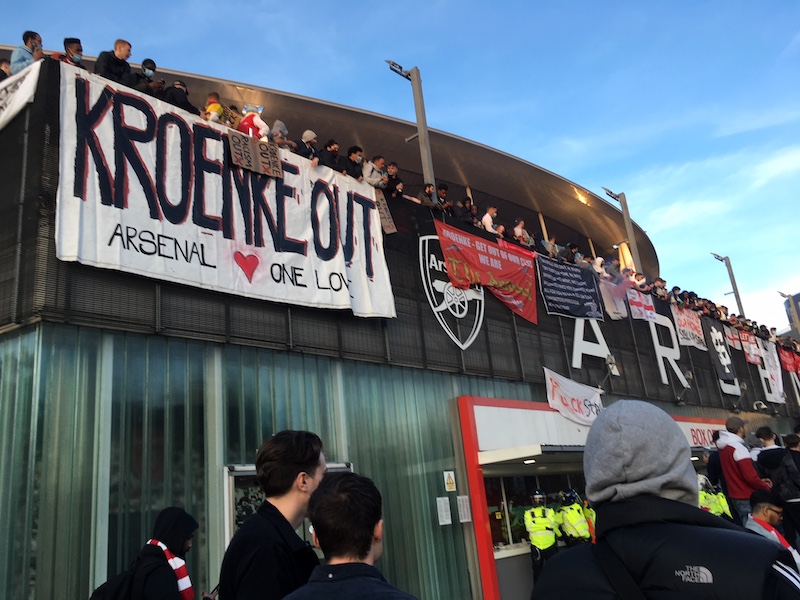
(542, 527)
(715, 503)
(573, 522)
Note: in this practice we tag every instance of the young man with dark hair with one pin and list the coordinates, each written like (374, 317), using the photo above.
(5, 68)
(28, 52)
(777, 464)
(329, 156)
(266, 560)
(73, 53)
(345, 513)
(352, 164)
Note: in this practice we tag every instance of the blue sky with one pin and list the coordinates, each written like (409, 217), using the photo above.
(691, 108)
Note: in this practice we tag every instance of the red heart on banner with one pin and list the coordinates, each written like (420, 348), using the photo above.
(247, 264)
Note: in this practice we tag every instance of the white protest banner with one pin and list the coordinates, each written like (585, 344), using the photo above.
(772, 366)
(689, 328)
(732, 337)
(641, 306)
(614, 300)
(17, 91)
(575, 401)
(148, 188)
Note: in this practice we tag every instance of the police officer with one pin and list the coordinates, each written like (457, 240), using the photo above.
(542, 527)
(711, 499)
(572, 519)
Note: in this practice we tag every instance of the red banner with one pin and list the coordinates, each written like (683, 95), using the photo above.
(507, 272)
(789, 360)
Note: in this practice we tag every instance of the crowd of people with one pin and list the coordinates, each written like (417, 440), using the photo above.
(266, 560)
(377, 172)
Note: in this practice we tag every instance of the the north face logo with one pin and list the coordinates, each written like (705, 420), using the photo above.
(695, 575)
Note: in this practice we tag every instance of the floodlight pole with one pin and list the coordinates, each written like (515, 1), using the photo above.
(626, 216)
(727, 262)
(422, 123)
(792, 311)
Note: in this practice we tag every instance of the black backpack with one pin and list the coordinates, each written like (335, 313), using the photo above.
(120, 587)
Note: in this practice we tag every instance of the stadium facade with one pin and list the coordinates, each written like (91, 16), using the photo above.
(131, 380)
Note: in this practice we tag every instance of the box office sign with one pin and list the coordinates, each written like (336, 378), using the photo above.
(148, 188)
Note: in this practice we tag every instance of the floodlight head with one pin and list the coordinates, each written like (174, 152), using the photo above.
(784, 295)
(611, 194)
(759, 405)
(688, 375)
(718, 257)
(398, 69)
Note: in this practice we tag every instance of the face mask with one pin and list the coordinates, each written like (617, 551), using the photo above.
(359, 159)
(148, 72)
(77, 58)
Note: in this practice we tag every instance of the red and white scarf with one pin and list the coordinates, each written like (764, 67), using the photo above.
(181, 572)
(771, 529)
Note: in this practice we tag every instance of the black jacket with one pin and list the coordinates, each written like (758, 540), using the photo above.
(113, 68)
(153, 577)
(329, 160)
(177, 97)
(306, 150)
(673, 550)
(265, 559)
(777, 464)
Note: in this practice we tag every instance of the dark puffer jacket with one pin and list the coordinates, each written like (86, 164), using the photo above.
(672, 550)
(777, 464)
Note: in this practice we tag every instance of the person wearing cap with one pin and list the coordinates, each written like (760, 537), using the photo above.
(653, 541)
(306, 147)
(143, 80)
(73, 53)
(737, 467)
(178, 95)
(113, 64)
(767, 511)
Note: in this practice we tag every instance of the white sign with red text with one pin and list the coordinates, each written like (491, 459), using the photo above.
(575, 401)
(698, 433)
(688, 328)
(149, 188)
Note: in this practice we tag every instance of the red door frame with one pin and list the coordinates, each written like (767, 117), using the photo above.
(477, 488)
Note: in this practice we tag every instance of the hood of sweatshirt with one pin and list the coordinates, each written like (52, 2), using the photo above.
(635, 448)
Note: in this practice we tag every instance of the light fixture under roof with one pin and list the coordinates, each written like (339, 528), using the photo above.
(530, 461)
